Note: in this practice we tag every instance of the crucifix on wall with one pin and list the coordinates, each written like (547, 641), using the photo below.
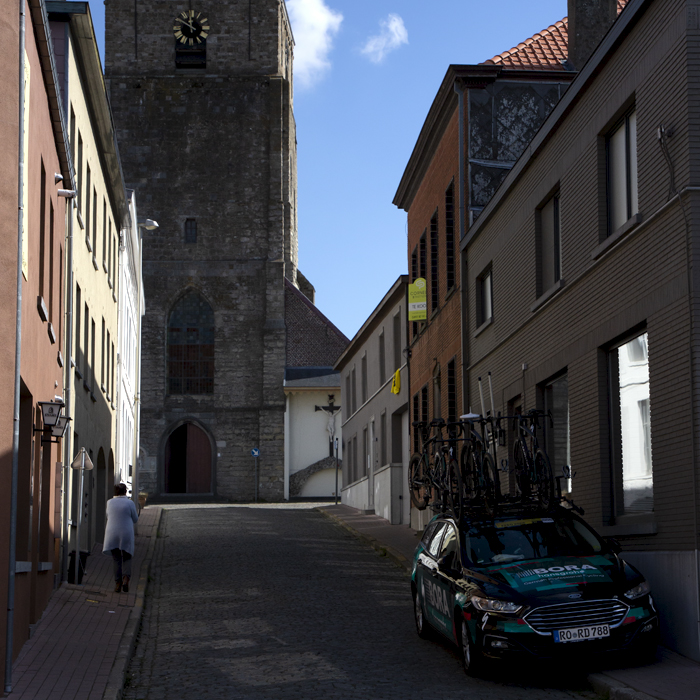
(330, 409)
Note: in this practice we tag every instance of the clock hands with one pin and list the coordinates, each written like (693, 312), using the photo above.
(178, 19)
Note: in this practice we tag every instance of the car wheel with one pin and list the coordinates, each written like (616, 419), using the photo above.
(471, 658)
(418, 615)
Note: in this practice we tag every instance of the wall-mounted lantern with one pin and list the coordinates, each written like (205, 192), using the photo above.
(54, 424)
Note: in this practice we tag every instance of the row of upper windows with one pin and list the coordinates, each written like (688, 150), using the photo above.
(422, 404)
(425, 258)
(85, 353)
(622, 203)
(380, 363)
(88, 209)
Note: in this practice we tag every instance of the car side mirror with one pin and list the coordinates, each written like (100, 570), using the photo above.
(446, 564)
(613, 545)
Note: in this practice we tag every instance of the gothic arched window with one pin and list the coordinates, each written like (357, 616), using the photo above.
(191, 346)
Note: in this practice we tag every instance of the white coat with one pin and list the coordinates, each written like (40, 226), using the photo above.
(121, 516)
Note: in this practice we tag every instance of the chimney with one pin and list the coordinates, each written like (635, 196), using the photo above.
(589, 21)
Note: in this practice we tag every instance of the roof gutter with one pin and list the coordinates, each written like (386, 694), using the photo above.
(88, 60)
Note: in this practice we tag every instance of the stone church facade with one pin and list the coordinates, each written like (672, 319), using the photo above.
(202, 97)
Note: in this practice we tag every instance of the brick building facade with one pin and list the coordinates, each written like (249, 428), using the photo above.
(592, 241)
(31, 320)
(202, 101)
(482, 118)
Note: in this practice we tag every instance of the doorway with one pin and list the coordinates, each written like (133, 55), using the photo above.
(187, 467)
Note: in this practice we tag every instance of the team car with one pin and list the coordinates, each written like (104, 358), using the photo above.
(528, 585)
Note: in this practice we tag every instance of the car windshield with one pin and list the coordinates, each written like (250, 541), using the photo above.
(503, 541)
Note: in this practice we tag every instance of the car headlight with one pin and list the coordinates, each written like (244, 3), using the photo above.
(494, 605)
(638, 591)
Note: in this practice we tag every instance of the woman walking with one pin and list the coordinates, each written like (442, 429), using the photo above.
(119, 536)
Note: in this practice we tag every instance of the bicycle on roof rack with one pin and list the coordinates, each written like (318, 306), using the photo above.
(481, 484)
(533, 471)
(434, 470)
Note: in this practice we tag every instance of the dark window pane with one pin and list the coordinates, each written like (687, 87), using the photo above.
(191, 347)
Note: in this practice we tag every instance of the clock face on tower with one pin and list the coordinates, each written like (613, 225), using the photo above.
(191, 28)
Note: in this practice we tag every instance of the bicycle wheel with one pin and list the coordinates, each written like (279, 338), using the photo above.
(438, 479)
(418, 485)
(543, 487)
(521, 465)
(492, 486)
(454, 491)
(469, 484)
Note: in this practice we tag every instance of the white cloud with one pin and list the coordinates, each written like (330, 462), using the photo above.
(392, 35)
(314, 25)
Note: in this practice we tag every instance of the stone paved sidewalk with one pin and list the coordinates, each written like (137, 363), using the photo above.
(80, 647)
(672, 677)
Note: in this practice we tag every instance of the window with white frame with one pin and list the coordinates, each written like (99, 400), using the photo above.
(484, 297)
(549, 244)
(633, 479)
(623, 200)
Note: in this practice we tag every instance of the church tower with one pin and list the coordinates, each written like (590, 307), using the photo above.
(201, 92)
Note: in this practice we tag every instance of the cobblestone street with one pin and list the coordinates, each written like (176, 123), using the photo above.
(279, 602)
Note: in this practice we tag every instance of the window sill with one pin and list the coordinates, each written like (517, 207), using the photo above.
(617, 236)
(450, 292)
(78, 373)
(59, 359)
(104, 266)
(87, 243)
(80, 220)
(631, 526)
(546, 296)
(94, 262)
(86, 386)
(41, 308)
(52, 334)
(483, 327)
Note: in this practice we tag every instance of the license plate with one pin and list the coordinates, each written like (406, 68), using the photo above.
(581, 634)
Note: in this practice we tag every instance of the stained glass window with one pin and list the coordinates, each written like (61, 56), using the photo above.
(191, 346)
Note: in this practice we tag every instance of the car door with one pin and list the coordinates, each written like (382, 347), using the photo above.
(446, 573)
(426, 568)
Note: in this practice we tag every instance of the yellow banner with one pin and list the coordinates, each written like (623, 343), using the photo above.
(396, 382)
(418, 300)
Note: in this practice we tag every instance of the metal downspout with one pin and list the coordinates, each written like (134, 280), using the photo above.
(18, 355)
(135, 485)
(459, 89)
(67, 445)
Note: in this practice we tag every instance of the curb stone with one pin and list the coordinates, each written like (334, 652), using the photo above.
(601, 684)
(373, 542)
(615, 690)
(117, 676)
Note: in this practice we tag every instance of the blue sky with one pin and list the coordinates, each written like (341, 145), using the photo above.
(366, 73)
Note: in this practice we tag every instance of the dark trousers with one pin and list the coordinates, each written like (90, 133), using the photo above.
(122, 564)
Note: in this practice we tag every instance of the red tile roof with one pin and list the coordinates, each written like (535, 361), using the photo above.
(543, 51)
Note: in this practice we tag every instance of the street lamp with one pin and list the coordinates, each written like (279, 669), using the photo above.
(148, 224)
(54, 425)
(50, 411)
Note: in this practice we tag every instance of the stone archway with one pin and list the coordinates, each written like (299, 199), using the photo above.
(188, 461)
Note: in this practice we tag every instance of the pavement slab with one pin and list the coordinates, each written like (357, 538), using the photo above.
(76, 648)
